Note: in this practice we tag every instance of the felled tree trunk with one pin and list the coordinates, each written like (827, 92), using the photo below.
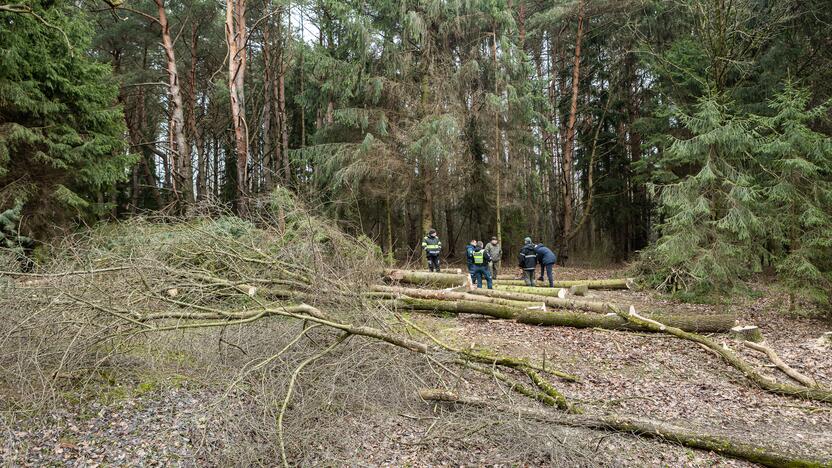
(701, 323)
(722, 445)
(450, 280)
(612, 283)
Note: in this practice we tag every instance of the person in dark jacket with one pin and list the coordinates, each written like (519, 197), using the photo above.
(527, 261)
(546, 259)
(469, 257)
(481, 261)
(432, 247)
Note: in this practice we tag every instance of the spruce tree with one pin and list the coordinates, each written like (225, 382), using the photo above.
(61, 134)
(797, 175)
(709, 229)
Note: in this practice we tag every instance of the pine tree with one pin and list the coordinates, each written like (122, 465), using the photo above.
(797, 176)
(61, 135)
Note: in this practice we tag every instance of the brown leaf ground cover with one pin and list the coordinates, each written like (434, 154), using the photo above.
(187, 421)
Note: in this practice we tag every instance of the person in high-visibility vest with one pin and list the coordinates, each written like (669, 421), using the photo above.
(481, 261)
(432, 247)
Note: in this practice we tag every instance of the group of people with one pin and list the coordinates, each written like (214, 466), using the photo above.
(484, 259)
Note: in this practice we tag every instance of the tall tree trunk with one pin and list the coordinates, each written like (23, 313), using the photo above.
(284, 123)
(498, 160)
(181, 165)
(235, 34)
(268, 106)
(569, 144)
(195, 135)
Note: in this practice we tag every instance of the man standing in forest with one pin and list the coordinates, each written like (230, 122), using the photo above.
(481, 261)
(546, 258)
(528, 260)
(469, 257)
(495, 251)
(433, 247)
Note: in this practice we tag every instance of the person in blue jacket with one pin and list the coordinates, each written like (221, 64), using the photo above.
(527, 261)
(469, 257)
(546, 259)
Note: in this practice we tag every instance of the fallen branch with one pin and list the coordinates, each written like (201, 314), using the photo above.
(775, 359)
(647, 428)
(732, 358)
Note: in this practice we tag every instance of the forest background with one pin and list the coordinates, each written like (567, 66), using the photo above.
(691, 135)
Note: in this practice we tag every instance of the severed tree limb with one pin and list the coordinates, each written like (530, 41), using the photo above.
(766, 383)
(482, 357)
(286, 400)
(775, 359)
(543, 397)
(640, 427)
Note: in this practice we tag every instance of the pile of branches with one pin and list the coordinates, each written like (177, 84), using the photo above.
(289, 290)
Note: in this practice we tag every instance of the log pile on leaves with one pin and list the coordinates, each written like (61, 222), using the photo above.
(116, 285)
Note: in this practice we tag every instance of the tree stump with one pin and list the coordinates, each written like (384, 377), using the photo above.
(579, 290)
(747, 333)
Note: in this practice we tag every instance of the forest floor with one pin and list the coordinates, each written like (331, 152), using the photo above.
(167, 420)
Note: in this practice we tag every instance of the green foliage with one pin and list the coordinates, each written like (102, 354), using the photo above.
(796, 164)
(61, 134)
(710, 224)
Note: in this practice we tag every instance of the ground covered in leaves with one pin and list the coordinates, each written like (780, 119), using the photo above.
(182, 418)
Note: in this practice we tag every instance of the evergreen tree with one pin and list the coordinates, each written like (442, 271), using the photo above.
(710, 229)
(61, 135)
(797, 176)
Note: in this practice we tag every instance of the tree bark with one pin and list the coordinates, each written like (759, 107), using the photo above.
(235, 34)
(569, 142)
(452, 280)
(562, 318)
(180, 167)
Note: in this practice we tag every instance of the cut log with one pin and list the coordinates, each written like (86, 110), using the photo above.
(549, 292)
(613, 283)
(703, 323)
(453, 280)
(775, 359)
(747, 333)
(641, 427)
(579, 290)
(397, 292)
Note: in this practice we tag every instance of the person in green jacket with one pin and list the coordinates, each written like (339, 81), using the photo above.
(495, 251)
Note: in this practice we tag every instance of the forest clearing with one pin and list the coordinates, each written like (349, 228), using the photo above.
(416, 233)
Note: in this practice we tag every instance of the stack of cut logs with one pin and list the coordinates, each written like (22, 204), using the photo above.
(565, 304)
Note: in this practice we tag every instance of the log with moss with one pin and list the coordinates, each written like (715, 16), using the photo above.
(641, 427)
(562, 318)
(448, 280)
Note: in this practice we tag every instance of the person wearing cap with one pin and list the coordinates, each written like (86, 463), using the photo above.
(432, 247)
(469, 257)
(528, 261)
(481, 261)
(495, 251)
